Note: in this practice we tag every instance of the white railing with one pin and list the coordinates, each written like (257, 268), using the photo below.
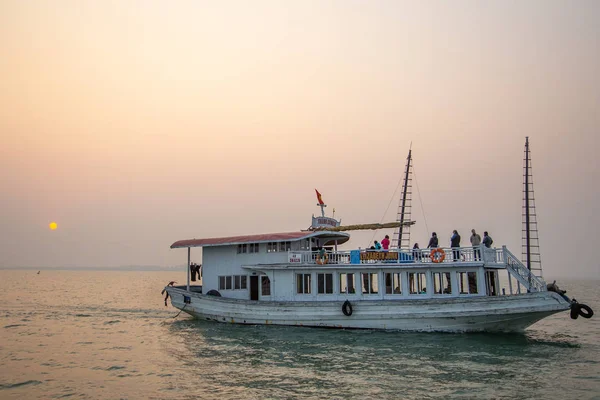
(463, 254)
(520, 272)
(481, 254)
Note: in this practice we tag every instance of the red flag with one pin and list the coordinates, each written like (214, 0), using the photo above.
(319, 198)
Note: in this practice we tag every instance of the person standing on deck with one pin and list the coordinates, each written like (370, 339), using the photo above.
(416, 252)
(433, 242)
(385, 243)
(487, 240)
(455, 244)
(475, 242)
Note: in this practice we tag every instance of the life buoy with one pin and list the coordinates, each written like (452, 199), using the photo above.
(322, 259)
(585, 311)
(347, 308)
(437, 255)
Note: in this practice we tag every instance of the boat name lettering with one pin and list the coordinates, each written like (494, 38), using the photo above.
(327, 221)
(378, 255)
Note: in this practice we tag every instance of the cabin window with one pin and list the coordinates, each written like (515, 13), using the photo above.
(303, 283)
(417, 282)
(253, 248)
(235, 282)
(265, 286)
(273, 247)
(347, 283)
(242, 248)
(325, 283)
(393, 283)
(441, 283)
(369, 283)
(467, 282)
(305, 244)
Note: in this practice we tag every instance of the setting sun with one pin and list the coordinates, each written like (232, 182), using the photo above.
(53, 225)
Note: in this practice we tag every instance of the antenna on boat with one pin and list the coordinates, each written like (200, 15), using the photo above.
(401, 238)
(530, 244)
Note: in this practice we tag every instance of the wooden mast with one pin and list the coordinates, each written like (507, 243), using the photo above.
(401, 237)
(530, 252)
(527, 224)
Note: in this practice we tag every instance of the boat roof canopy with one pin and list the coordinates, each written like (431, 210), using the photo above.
(330, 238)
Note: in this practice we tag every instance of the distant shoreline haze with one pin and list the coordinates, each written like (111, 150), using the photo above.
(180, 268)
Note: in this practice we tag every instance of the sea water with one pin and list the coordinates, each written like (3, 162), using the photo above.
(108, 335)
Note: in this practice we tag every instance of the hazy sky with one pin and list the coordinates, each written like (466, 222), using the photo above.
(134, 124)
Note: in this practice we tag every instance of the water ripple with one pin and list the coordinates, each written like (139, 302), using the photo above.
(19, 384)
(123, 342)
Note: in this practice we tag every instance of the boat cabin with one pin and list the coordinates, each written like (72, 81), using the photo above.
(309, 266)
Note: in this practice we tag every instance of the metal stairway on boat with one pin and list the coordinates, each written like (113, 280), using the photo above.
(521, 273)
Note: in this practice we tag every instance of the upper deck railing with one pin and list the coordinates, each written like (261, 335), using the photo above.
(421, 256)
(477, 255)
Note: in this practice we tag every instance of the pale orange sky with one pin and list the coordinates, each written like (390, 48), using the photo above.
(135, 124)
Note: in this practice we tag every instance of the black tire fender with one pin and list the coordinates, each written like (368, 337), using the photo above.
(213, 292)
(585, 311)
(574, 310)
(347, 308)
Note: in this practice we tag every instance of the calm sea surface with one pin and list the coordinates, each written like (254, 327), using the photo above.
(108, 335)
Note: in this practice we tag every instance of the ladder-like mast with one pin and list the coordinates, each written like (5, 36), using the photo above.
(530, 254)
(401, 238)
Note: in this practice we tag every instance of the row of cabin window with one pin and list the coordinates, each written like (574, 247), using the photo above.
(272, 247)
(233, 282)
(369, 283)
(467, 282)
(240, 282)
(247, 248)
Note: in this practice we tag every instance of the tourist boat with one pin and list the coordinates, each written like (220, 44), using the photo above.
(305, 278)
(278, 279)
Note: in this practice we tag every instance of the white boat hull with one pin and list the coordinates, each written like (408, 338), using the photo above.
(475, 314)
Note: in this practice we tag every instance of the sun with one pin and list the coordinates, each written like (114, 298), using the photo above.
(53, 225)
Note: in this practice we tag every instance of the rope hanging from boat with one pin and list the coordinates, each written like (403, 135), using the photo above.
(420, 199)
(180, 310)
(387, 208)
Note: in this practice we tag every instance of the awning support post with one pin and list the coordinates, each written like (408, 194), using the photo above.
(188, 269)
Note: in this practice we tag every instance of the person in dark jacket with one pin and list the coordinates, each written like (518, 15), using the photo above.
(455, 244)
(487, 240)
(433, 242)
